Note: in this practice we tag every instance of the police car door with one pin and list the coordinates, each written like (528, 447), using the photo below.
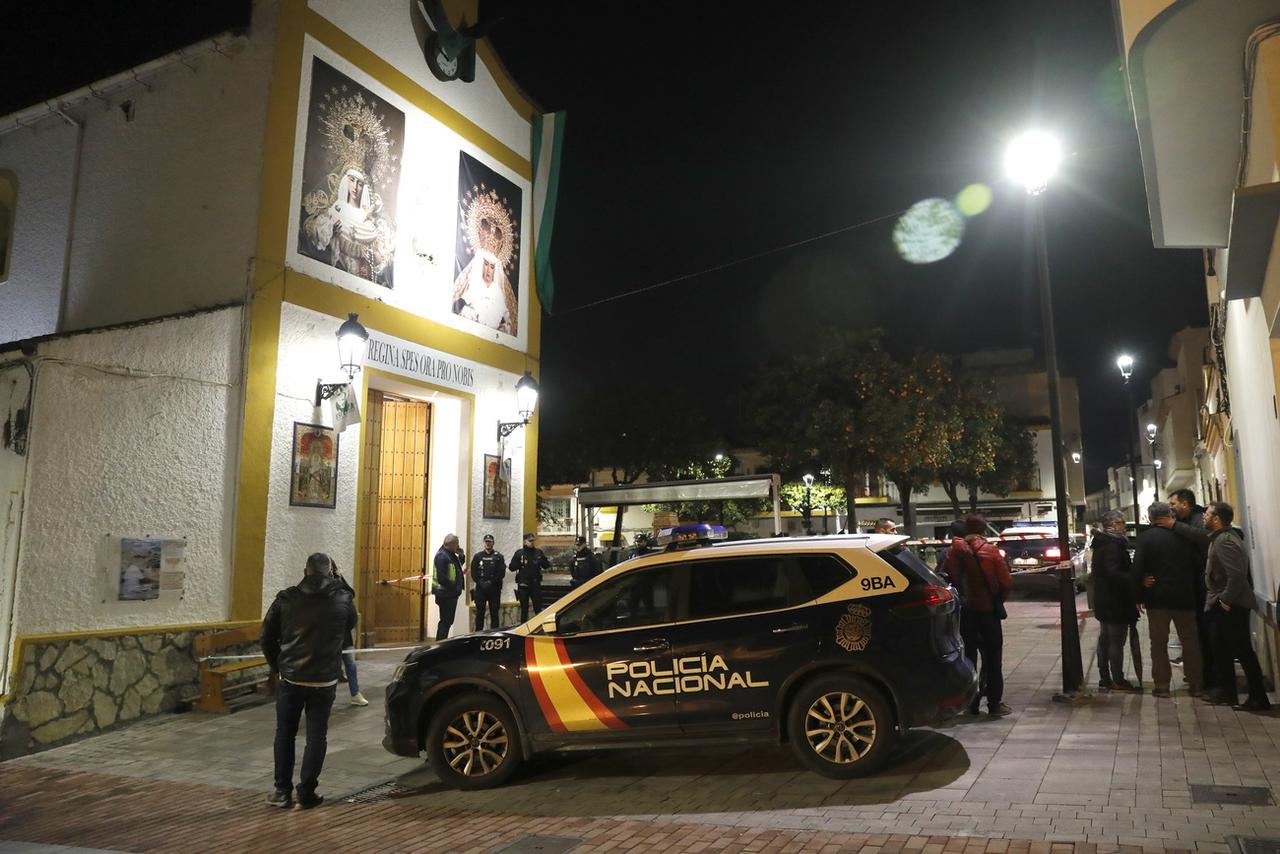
(744, 629)
(598, 675)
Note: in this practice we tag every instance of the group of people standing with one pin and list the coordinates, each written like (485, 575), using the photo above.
(488, 569)
(1189, 569)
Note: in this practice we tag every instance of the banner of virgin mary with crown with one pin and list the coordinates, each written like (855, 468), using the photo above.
(486, 286)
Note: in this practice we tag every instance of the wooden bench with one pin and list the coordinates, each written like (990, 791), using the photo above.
(213, 674)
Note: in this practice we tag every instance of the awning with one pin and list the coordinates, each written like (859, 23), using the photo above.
(718, 489)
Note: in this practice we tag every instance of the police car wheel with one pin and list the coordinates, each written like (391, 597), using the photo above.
(473, 742)
(841, 726)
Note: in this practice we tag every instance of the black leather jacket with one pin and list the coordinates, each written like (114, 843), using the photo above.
(304, 629)
(528, 564)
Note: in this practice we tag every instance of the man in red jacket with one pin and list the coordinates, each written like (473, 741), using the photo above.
(980, 573)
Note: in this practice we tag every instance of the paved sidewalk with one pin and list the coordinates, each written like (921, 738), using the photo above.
(1115, 772)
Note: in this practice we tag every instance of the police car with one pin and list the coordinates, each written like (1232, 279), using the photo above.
(835, 645)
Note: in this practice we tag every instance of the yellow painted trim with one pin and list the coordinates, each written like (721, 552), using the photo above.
(333, 37)
(309, 292)
(263, 346)
(20, 641)
(510, 89)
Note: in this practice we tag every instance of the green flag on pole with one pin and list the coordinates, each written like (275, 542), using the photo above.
(548, 142)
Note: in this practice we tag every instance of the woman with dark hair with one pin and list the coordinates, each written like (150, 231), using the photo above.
(980, 573)
(349, 658)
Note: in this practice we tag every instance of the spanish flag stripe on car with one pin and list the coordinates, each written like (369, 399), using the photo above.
(566, 702)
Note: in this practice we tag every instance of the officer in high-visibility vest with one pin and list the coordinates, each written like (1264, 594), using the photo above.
(488, 568)
(585, 566)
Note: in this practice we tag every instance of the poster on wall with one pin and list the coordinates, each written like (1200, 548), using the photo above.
(313, 474)
(486, 286)
(497, 488)
(350, 173)
(145, 569)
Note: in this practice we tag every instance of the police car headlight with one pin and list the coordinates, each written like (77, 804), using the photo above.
(398, 676)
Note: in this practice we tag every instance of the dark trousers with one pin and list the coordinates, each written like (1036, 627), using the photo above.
(1208, 662)
(490, 597)
(526, 593)
(1111, 637)
(448, 606)
(983, 635)
(1230, 642)
(291, 700)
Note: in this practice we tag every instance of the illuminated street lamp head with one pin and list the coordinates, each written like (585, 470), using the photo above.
(526, 396)
(1125, 364)
(719, 458)
(352, 337)
(1075, 457)
(808, 480)
(1031, 159)
(1151, 432)
(1158, 465)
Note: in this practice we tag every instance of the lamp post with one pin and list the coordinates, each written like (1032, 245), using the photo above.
(1125, 364)
(1031, 160)
(806, 509)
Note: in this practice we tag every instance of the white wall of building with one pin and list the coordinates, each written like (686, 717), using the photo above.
(386, 27)
(166, 208)
(1257, 437)
(134, 433)
(307, 341)
(15, 383)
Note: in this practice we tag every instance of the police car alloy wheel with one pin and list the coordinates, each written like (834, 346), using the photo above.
(841, 726)
(473, 743)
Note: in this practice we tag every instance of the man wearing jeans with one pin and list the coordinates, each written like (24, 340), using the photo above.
(1113, 604)
(302, 641)
(1165, 568)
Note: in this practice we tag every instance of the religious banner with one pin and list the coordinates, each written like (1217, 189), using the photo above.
(350, 172)
(313, 474)
(486, 285)
(497, 488)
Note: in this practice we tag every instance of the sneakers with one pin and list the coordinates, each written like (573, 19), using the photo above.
(1000, 711)
(308, 803)
(281, 798)
(357, 699)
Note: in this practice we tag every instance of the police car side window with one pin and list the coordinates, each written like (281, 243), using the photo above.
(636, 599)
(720, 588)
(824, 573)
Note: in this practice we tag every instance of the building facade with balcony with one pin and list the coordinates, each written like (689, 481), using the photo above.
(187, 239)
(1204, 82)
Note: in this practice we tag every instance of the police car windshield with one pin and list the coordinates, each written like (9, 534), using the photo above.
(905, 561)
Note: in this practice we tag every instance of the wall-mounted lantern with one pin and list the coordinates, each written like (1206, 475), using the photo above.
(352, 338)
(526, 403)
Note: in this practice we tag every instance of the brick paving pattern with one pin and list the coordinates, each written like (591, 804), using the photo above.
(1111, 775)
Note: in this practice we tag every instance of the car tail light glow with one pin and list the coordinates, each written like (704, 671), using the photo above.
(1053, 552)
(1003, 553)
(926, 596)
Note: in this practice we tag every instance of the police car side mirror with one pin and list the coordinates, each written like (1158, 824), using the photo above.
(549, 624)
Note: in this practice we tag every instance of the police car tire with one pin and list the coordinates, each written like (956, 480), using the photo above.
(874, 708)
(476, 704)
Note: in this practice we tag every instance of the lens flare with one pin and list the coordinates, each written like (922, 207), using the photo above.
(973, 199)
(929, 231)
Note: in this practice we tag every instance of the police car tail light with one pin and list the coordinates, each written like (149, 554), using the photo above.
(1053, 552)
(926, 597)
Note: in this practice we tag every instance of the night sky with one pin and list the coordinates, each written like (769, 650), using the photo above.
(697, 136)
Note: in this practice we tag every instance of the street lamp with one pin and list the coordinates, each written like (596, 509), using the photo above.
(806, 509)
(1075, 457)
(1031, 160)
(526, 403)
(352, 337)
(1125, 364)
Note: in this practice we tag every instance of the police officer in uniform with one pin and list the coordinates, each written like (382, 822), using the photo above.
(585, 566)
(488, 568)
(528, 564)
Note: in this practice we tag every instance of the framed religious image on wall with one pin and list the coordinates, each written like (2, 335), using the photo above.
(313, 474)
(486, 285)
(497, 488)
(350, 177)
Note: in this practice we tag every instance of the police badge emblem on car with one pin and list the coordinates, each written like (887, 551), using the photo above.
(853, 630)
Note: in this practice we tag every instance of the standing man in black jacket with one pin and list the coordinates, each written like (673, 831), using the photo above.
(447, 583)
(488, 568)
(528, 564)
(1113, 601)
(585, 565)
(1165, 570)
(1188, 523)
(302, 641)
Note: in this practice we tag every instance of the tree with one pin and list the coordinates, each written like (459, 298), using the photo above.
(821, 495)
(1015, 462)
(727, 512)
(909, 423)
(808, 410)
(974, 448)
